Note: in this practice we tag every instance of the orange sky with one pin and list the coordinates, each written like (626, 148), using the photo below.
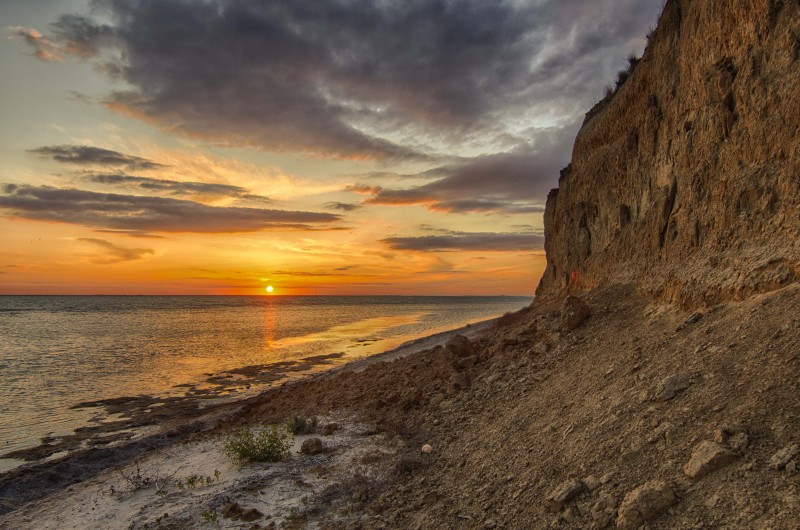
(220, 147)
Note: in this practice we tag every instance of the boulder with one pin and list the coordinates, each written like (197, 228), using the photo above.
(460, 346)
(645, 503)
(312, 446)
(574, 313)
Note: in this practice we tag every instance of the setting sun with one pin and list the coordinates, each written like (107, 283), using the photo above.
(269, 289)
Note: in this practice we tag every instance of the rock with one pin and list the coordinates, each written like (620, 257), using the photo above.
(464, 363)
(739, 441)
(661, 432)
(644, 503)
(459, 381)
(779, 460)
(670, 386)
(330, 428)
(427, 449)
(460, 346)
(574, 313)
(564, 493)
(603, 511)
(591, 483)
(250, 514)
(312, 446)
(708, 456)
(693, 318)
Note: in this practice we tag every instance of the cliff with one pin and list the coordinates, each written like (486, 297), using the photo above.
(685, 182)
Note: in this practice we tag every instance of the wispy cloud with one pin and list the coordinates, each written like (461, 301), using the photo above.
(111, 253)
(43, 48)
(176, 188)
(469, 241)
(343, 206)
(86, 155)
(148, 214)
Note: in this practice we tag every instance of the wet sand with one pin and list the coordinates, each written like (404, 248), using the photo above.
(130, 426)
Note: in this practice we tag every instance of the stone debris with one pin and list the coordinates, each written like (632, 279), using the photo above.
(672, 385)
(779, 460)
(564, 493)
(330, 428)
(460, 346)
(574, 313)
(693, 318)
(591, 483)
(739, 441)
(312, 446)
(707, 457)
(645, 503)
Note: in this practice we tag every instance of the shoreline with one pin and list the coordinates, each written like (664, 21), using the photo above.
(38, 478)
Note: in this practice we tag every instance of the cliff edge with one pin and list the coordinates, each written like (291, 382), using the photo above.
(686, 180)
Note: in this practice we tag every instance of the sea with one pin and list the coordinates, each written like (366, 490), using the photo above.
(58, 351)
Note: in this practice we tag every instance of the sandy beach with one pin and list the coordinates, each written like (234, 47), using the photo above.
(81, 477)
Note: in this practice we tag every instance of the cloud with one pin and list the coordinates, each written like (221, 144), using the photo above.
(343, 206)
(513, 182)
(43, 48)
(149, 214)
(376, 79)
(469, 241)
(113, 253)
(177, 188)
(86, 155)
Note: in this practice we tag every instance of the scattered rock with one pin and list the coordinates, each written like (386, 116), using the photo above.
(564, 493)
(779, 460)
(660, 432)
(644, 503)
(460, 346)
(234, 510)
(739, 441)
(708, 456)
(427, 449)
(693, 318)
(330, 428)
(670, 386)
(591, 483)
(574, 313)
(603, 511)
(312, 446)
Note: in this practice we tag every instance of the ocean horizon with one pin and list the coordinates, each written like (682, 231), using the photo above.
(63, 350)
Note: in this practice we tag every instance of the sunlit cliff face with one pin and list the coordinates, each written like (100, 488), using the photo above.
(229, 146)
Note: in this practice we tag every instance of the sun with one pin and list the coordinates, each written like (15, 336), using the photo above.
(270, 288)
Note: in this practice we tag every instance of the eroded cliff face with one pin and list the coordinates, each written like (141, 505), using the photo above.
(686, 182)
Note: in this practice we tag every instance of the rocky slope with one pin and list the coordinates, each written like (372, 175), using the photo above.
(686, 181)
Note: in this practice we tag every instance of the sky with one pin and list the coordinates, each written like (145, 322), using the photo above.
(333, 148)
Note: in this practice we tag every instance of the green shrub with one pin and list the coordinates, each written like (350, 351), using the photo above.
(302, 424)
(258, 445)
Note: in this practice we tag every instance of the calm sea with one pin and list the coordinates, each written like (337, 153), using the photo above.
(56, 351)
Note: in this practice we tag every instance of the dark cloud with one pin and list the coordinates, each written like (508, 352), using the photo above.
(111, 253)
(177, 188)
(475, 241)
(508, 183)
(343, 206)
(86, 155)
(148, 214)
(364, 79)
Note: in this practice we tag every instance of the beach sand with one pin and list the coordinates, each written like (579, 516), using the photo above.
(78, 481)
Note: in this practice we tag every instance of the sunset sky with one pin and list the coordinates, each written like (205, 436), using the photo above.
(321, 147)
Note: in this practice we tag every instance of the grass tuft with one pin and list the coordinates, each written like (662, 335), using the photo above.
(258, 445)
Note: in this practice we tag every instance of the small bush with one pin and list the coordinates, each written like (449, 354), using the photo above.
(261, 445)
(302, 425)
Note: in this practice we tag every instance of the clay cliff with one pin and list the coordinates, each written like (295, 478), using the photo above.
(685, 181)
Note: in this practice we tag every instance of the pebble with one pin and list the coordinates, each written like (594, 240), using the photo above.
(644, 503)
(564, 493)
(427, 449)
(783, 457)
(708, 456)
